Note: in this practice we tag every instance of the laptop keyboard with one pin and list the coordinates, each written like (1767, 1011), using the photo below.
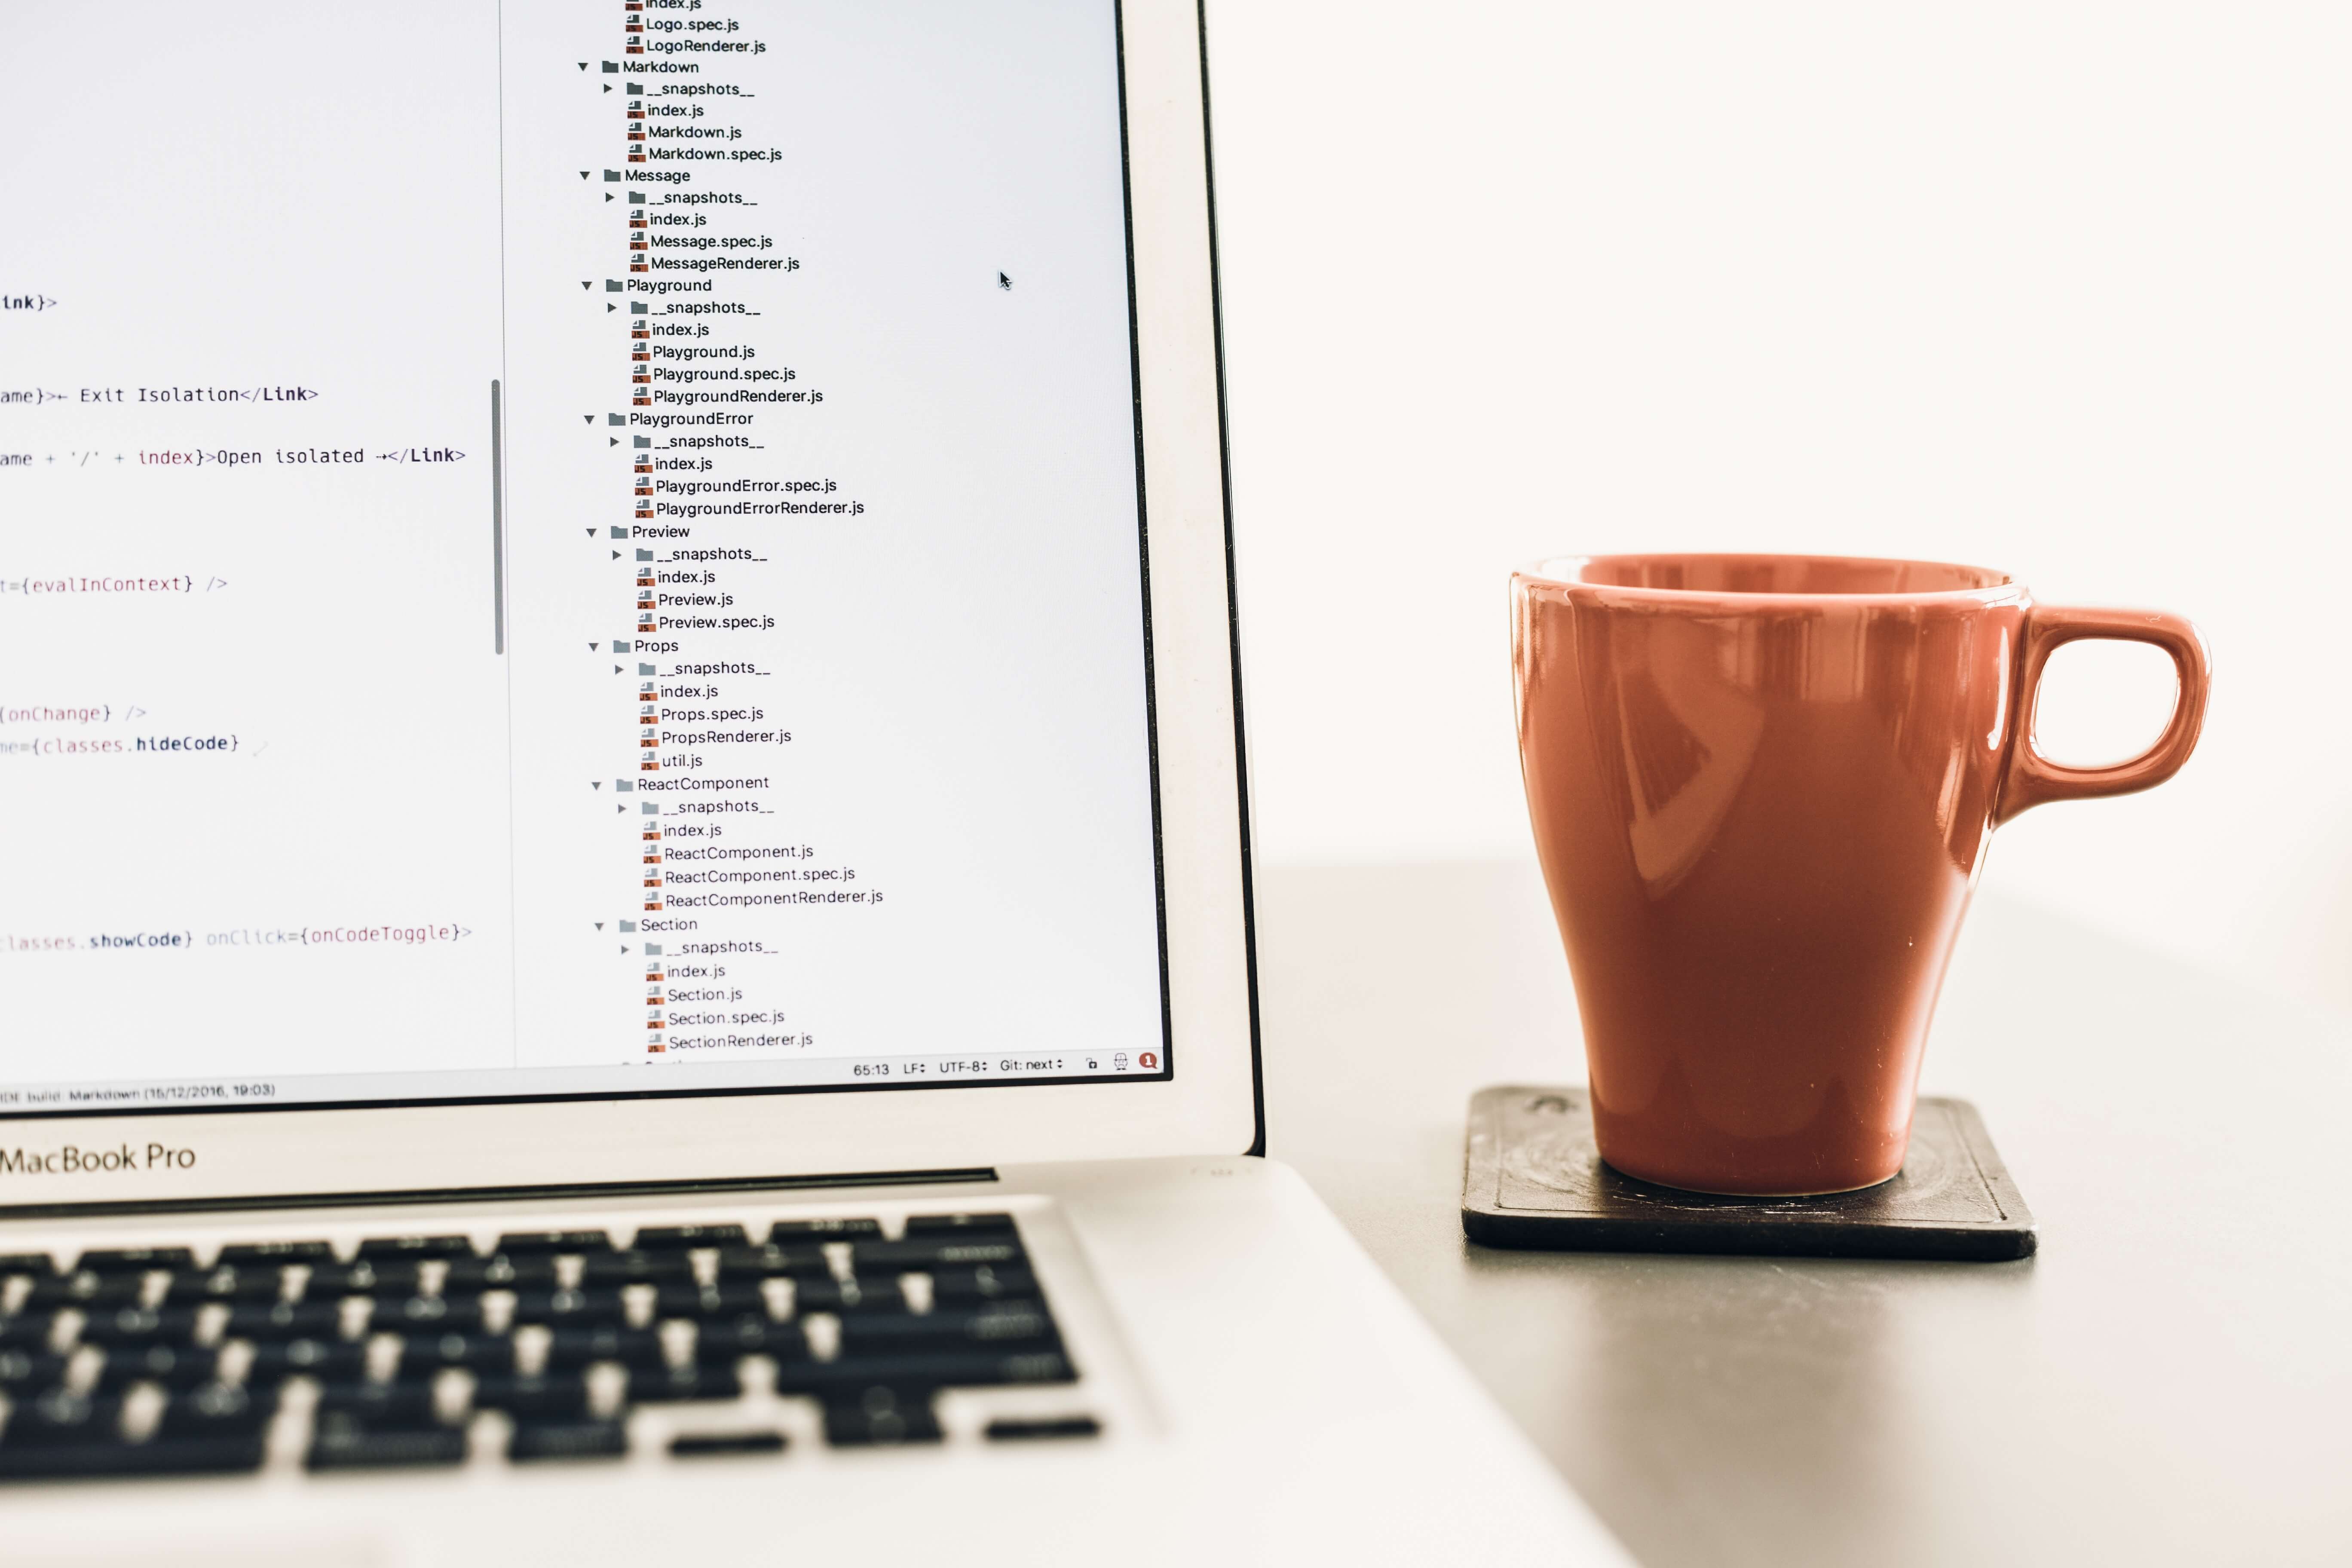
(420, 1351)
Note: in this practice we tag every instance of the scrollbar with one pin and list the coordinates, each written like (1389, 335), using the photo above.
(498, 525)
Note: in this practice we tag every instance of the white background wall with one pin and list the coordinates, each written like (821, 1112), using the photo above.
(2059, 288)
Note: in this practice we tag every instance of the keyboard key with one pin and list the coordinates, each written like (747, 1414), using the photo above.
(218, 1409)
(28, 1330)
(736, 1300)
(1010, 1429)
(381, 1406)
(726, 1340)
(709, 1380)
(935, 1252)
(501, 1271)
(714, 1445)
(209, 1457)
(62, 1419)
(285, 1321)
(85, 1290)
(343, 1444)
(330, 1361)
(27, 1372)
(785, 1232)
(412, 1248)
(255, 1282)
(632, 1268)
(139, 1325)
(968, 1369)
(134, 1259)
(38, 1264)
(486, 1356)
(686, 1237)
(368, 1276)
(847, 1297)
(925, 1226)
(774, 1262)
(556, 1399)
(997, 1324)
(879, 1418)
(572, 1308)
(988, 1282)
(238, 1254)
(569, 1440)
(549, 1243)
(425, 1314)
(173, 1366)
(570, 1349)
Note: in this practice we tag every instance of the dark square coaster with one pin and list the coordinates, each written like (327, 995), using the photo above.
(1534, 1178)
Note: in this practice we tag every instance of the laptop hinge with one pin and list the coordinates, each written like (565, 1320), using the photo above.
(507, 1195)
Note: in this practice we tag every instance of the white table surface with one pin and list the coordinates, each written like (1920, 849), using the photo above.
(2169, 1381)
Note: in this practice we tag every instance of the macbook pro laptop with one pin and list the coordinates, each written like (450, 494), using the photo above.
(627, 927)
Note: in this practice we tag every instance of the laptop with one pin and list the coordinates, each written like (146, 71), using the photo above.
(628, 928)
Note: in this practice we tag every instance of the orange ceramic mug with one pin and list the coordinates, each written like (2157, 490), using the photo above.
(1761, 788)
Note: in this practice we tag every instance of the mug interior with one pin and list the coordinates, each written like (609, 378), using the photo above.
(1771, 575)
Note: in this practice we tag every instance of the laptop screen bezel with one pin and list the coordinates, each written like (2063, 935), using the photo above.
(1209, 1104)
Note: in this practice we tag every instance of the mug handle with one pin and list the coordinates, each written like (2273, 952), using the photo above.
(2032, 779)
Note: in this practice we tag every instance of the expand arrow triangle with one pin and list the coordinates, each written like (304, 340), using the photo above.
(592, 646)
(583, 173)
(616, 669)
(592, 533)
(616, 555)
(600, 925)
(587, 419)
(595, 784)
(586, 282)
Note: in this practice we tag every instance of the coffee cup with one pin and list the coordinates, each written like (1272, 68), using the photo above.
(1762, 788)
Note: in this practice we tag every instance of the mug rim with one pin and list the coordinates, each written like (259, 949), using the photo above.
(1566, 572)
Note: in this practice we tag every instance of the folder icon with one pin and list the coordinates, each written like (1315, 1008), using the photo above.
(653, 950)
(613, 176)
(641, 442)
(650, 808)
(623, 786)
(628, 925)
(636, 307)
(644, 555)
(612, 67)
(612, 285)
(644, 670)
(619, 532)
(616, 418)
(620, 645)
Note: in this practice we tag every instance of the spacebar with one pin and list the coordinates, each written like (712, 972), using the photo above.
(210, 1456)
(964, 1370)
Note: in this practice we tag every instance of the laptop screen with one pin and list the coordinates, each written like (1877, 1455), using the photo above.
(570, 549)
